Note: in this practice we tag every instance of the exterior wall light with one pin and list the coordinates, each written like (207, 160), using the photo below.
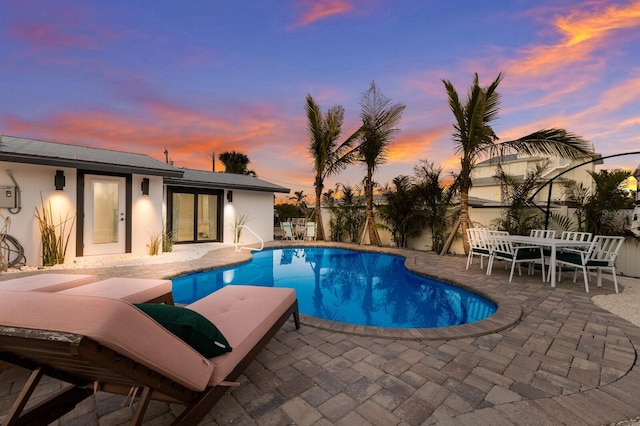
(230, 196)
(145, 186)
(59, 181)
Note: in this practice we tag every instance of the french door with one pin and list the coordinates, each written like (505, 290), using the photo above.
(104, 215)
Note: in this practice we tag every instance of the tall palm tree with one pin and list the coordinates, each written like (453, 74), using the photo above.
(329, 157)
(236, 162)
(379, 121)
(474, 138)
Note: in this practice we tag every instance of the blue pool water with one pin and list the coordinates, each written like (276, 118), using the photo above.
(347, 286)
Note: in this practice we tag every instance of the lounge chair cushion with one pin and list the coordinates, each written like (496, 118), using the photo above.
(48, 282)
(112, 322)
(244, 314)
(190, 326)
(134, 290)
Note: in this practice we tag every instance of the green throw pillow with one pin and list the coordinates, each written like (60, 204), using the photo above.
(194, 329)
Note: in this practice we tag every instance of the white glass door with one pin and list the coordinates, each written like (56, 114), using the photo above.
(105, 215)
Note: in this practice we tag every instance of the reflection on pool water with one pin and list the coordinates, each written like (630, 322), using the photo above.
(347, 286)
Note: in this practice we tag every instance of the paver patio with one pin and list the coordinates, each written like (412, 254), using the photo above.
(553, 357)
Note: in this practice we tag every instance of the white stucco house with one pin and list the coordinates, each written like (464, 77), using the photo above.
(487, 187)
(118, 201)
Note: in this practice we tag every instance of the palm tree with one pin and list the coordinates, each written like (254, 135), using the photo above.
(519, 216)
(607, 198)
(402, 211)
(300, 199)
(328, 157)
(379, 121)
(347, 214)
(236, 162)
(436, 200)
(474, 138)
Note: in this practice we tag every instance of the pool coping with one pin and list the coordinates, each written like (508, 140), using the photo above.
(507, 314)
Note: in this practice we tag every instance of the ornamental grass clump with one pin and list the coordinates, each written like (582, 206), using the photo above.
(236, 227)
(154, 244)
(167, 239)
(54, 238)
(161, 241)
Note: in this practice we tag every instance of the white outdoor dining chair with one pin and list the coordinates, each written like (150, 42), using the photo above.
(478, 245)
(601, 254)
(310, 231)
(542, 233)
(503, 249)
(572, 236)
(287, 231)
(576, 236)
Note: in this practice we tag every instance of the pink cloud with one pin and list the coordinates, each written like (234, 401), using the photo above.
(622, 94)
(410, 146)
(43, 34)
(190, 135)
(581, 33)
(316, 10)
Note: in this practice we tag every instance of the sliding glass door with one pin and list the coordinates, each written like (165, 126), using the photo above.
(195, 215)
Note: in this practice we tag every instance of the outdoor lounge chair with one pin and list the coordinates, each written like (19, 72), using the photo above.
(106, 344)
(47, 282)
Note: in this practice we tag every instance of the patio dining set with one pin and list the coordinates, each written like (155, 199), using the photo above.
(579, 250)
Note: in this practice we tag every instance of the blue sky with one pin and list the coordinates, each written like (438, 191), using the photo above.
(199, 77)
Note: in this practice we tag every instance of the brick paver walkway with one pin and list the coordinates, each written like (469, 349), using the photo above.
(552, 357)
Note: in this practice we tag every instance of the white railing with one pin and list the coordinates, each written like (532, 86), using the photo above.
(238, 247)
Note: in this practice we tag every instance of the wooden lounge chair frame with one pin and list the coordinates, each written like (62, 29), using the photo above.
(89, 366)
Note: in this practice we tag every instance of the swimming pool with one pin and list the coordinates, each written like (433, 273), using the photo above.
(349, 286)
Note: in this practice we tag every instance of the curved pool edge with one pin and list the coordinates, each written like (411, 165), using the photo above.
(507, 314)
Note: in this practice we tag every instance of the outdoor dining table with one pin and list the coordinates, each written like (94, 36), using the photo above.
(553, 244)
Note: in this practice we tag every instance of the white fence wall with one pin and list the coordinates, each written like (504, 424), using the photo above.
(628, 262)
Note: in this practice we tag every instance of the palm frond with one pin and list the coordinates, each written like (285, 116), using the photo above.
(379, 125)
(548, 142)
(562, 221)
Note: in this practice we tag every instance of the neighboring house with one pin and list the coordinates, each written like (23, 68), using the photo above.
(119, 201)
(487, 187)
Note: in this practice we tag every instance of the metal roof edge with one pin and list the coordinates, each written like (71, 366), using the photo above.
(88, 165)
(204, 184)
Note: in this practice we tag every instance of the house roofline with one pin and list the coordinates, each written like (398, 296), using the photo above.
(89, 165)
(226, 185)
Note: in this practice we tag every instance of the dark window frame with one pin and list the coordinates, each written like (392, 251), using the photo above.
(196, 192)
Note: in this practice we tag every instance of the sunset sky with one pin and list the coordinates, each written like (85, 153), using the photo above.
(197, 77)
